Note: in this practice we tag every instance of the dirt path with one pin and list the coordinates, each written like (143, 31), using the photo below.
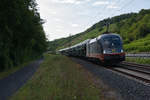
(13, 82)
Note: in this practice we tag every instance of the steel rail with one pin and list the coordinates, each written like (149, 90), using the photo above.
(137, 71)
(131, 75)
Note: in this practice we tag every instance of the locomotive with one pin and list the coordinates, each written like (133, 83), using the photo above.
(106, 48)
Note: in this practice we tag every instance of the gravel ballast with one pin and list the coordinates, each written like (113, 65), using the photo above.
(129, 89)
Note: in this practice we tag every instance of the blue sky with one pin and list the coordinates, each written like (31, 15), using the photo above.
(64, 17)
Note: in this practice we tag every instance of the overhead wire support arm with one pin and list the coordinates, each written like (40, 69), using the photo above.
(107, 27)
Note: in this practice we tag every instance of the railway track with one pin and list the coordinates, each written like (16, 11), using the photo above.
(138, 71)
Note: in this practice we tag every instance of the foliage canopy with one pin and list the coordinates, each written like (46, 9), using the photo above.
(22, 36)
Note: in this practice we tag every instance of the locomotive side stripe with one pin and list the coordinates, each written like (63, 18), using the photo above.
(98, 56)
(101, 56)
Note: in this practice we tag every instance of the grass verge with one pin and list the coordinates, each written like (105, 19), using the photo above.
(59, 78)
(141, 45)
(139, 60)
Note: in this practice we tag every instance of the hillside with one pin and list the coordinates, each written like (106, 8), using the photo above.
(133, 27)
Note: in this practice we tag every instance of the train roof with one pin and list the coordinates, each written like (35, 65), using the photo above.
(93, 40)
(79, 44)
(84, 42)
(103, 36)
(63, 49)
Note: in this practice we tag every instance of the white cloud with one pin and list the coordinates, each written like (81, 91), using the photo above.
(74, 16)
(60, 27)
(100, 3)
(53, 12)
(75, 25)
(57, 20)
(59, 30)
(112, 6)
(70, 1)
(85, 12)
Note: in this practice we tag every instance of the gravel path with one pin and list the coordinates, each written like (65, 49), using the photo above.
(13, 82)
(128, 88)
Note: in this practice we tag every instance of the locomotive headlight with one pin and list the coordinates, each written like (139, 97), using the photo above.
(121, 50)
(104, 51)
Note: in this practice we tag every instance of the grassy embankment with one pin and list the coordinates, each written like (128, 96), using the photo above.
(139, 60)
(137, 46)
(59, 78)
(141, 45)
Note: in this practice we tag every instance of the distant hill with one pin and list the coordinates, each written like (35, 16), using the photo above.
(133, 27)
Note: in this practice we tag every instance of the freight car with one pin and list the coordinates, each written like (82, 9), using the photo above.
(106, 48)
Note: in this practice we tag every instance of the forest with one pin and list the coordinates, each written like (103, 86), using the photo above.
(134, 28)
(22, 37)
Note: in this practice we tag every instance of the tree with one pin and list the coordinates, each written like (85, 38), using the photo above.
(22, 37)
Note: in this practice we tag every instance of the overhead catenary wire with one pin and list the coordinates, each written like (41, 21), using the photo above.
(102, 12)
(111, 3)
(103, 9)
(114, 12)
(107, 22)
(123, 7)
(126, 5)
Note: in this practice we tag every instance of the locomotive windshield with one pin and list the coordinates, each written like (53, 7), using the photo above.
(112, 44)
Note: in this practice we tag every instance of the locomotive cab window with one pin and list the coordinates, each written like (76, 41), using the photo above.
(112, 41)
(112, 44)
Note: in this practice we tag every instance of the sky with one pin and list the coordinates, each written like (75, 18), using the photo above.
(68, 17)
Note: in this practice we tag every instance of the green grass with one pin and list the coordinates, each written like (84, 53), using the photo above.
(141, 45)
(138, 60)
(59, 78)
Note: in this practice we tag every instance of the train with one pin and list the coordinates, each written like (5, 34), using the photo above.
(106, 48)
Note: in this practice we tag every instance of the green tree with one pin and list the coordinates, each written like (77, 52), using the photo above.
(22, 37)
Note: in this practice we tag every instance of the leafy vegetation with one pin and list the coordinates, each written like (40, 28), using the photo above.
(140, 45)
(133, 27)
(22, 36)
(59, 78)
(139, 60)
